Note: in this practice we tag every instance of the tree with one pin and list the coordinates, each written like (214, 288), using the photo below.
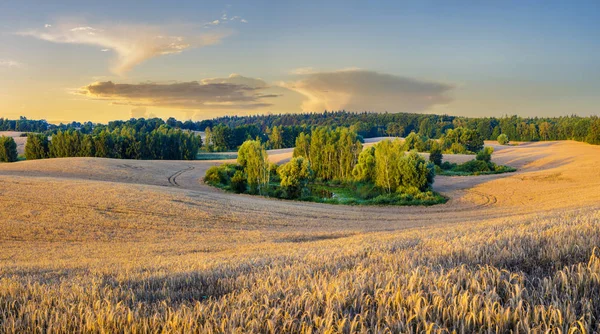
(36, 146)
(276, 138)
(414, 172)
(503, 139)
(253, 158)
(435, 154)
(295, 176)
(302, 148)
(8, 149)
(364, 171)
(387, 154)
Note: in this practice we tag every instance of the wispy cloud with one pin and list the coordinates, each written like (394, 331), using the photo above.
(234, 92)
(132, 44)
(10, 63)
(363, 90)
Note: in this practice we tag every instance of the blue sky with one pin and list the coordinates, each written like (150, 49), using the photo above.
(472, 58)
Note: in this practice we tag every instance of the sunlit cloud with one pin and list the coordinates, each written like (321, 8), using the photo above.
(362, 90)
(132, 44)
(234, 92)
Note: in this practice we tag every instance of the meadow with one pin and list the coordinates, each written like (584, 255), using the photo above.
(105, 245)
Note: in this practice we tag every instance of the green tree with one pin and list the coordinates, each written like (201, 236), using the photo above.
(8, 149)
(387, 155)
(36, 146)
(364, 171)
(276, 137)
(485, 154)
(253, 158)
(302, 148)
(414, 172)
(295, 176)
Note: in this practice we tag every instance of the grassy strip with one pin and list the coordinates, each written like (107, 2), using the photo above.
(454, 172)
(216, 156)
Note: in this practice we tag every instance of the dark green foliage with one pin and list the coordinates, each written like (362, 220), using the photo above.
(435, 154)
(163, 143)
(8, 149)
(239, 182)
(485, 154)
(37, 146)
(482, 164)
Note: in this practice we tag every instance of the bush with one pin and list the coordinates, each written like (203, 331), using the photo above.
(238, 182)
(485, 154)
(473, 166)
(503, 139)
(457, 148)
(435, 154)
(8, 149)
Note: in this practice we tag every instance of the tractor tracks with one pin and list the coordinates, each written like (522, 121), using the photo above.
(173, 178)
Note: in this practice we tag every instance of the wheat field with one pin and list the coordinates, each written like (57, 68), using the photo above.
(105, 246)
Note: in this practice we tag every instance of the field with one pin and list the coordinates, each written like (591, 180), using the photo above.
(102, 245)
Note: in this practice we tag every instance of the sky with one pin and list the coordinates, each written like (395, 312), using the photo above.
(98, 61)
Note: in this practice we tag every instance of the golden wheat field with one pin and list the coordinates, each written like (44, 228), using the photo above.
(121, 246)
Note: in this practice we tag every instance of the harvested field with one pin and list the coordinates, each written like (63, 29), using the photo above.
(114, 245)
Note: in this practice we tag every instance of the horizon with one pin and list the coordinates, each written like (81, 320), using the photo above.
(80, 62)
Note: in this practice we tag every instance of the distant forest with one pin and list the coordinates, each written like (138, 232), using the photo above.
(141, 138)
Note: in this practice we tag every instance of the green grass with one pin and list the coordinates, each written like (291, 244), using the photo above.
(454, 172)
(364, 194)
(216, 156)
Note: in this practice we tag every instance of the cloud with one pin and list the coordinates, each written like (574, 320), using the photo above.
(47, 25)
(234, 92)
(138, 112)
(213, 23)
(362, 90)
(10, 63)
(132, 44)
(243, 21)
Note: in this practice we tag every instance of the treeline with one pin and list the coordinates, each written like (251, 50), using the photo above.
(123, 142)
(368, 125)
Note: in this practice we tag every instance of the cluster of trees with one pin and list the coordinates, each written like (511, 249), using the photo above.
(389, 167)
(332, 153)
(8, 149)
(328, 156)
(124, 142)
(222, 138)
(23, 125)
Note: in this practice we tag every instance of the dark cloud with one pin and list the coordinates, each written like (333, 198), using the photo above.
(360, 90)
(235, 92)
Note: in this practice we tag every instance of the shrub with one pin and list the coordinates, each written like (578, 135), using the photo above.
(238, 182)
(503, 139)
(435, 154)
(8, 149)
(473, 166)
(485, 154)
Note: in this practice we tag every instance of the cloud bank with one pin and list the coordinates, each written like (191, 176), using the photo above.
(234, 92)
(132, 44)
(10, 63)
(362, 90)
